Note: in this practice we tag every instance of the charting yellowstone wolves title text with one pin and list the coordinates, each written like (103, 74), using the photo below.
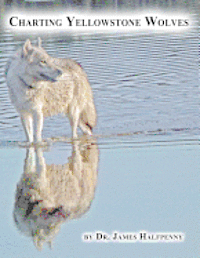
(97, 22)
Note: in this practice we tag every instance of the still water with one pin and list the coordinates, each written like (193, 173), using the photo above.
(139, 172)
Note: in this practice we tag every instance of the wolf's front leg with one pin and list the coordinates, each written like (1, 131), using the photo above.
(27, 122)
(38, 125)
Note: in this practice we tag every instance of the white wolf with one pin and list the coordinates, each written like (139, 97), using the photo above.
(41, 86)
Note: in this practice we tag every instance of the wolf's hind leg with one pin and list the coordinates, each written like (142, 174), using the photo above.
(74, 116)
(86, 128)
(27, 122)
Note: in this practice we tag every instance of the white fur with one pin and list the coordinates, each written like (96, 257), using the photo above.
(42, 86)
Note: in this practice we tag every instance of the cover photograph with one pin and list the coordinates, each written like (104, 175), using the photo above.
(99, 128)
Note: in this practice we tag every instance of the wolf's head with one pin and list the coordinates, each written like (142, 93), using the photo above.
(37, 65)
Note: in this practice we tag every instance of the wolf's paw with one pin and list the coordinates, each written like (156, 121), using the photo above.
(26, 144)
(43, 143)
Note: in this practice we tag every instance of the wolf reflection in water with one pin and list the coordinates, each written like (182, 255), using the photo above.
(49, 195)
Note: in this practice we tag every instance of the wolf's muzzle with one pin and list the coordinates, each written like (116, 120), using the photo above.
(49, 78)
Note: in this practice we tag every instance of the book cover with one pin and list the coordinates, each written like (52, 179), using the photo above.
(99, 131)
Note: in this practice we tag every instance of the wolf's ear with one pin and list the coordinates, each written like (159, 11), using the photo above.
(39, 42)
(27, 47)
